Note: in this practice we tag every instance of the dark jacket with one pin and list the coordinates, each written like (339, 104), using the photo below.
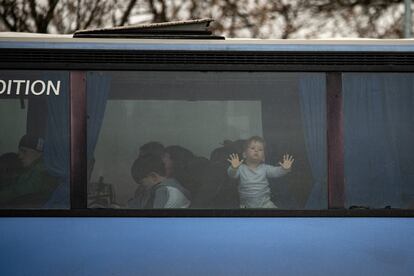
(31, 190)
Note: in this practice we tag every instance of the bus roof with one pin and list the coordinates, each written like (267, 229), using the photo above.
(13, 40)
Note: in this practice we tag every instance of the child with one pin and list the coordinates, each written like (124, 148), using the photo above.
(254, 190)
(157, 191)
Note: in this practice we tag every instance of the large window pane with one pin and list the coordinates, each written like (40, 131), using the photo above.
(184, 126)
(34, 141)
(379, 135)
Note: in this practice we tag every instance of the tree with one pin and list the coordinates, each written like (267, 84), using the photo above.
(62, 16)
(234, 18)
(26, 16)
(364, 18)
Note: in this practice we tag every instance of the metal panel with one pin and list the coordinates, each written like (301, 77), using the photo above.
(78, 185)
(335, 138)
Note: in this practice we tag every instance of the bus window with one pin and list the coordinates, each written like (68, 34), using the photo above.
(164, 139)
(34, 141)
(379, 135)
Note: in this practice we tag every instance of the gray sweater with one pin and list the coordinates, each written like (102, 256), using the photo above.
(170, 194)
(254, 190)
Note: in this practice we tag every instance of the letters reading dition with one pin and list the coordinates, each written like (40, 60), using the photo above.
(27, 87)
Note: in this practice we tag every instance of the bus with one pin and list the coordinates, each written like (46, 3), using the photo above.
(117, 150)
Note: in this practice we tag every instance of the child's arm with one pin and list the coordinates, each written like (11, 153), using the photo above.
(284, 168)
(233, 170)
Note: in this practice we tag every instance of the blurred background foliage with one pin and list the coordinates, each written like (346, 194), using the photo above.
(234, 18)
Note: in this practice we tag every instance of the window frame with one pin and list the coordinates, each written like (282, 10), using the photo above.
(335, 136)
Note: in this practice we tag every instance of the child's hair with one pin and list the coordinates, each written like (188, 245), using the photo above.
(145, 165)
(253, 139)
(153, 147)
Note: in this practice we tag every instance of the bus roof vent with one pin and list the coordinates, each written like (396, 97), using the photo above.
(190, 29)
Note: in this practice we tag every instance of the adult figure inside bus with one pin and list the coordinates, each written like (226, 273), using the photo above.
(34, 185)
(10, 168)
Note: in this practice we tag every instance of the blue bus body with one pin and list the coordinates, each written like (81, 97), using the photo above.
(207, 246)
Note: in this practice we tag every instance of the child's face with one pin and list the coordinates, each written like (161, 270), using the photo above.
(255, 152)
(27, 156)
(149, 181)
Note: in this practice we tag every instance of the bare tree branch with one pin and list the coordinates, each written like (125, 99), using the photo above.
(127, 12)
(234, 18)
(92, 14)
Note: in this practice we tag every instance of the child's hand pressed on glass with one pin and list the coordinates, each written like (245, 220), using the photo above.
(235, 161)
(287, 161)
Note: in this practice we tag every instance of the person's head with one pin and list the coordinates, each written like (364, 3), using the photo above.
(157, 149)
(221, 154)
(10, 167)
(30, 149)
(148, 170)
(152, 148)
(176, 159)
(254, 149)
(180, 156)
